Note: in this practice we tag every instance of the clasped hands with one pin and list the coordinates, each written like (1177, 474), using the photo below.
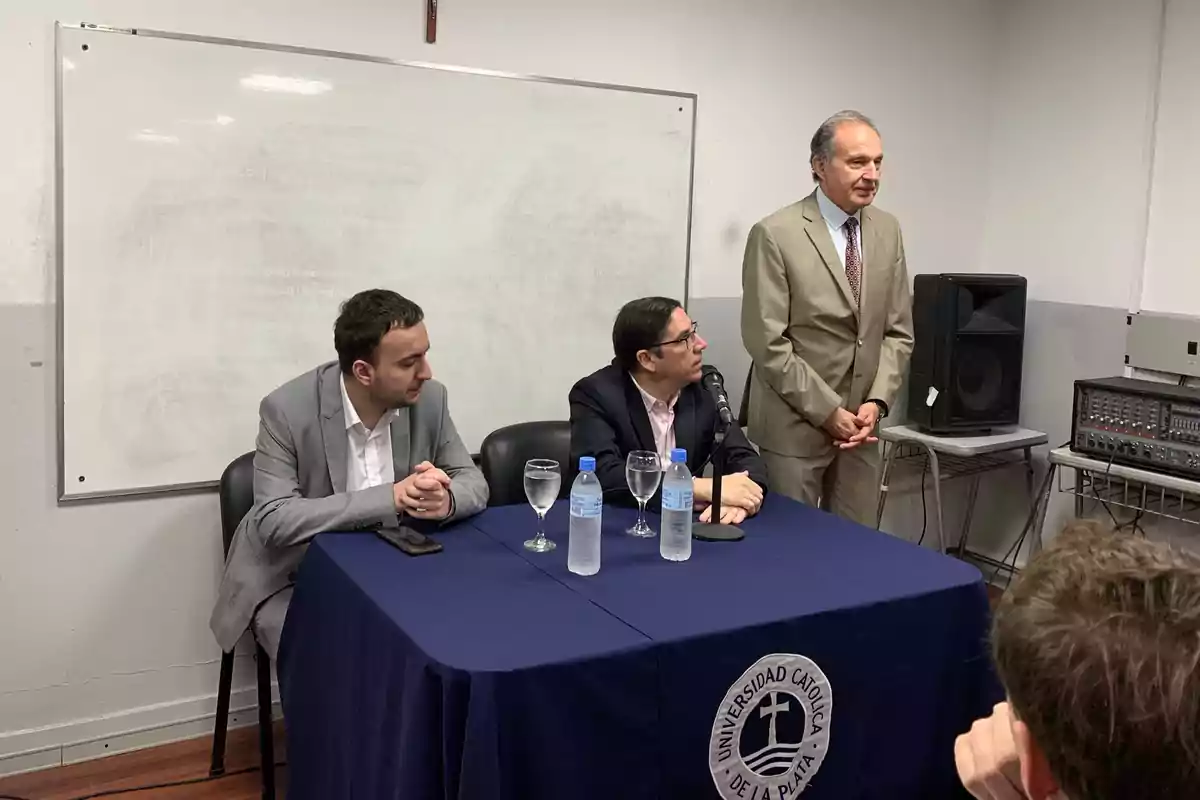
(425, 494)
(850, 430)
(740, 498)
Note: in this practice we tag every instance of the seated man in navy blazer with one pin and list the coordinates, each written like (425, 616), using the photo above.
(650, 398)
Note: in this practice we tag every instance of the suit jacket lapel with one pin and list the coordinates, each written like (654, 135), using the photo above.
(685, 424)
(873, 268)
(818, 233)
(402, 444)
(638, 416)
(333, 427)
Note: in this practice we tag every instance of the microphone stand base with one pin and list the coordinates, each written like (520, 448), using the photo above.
(717, 532)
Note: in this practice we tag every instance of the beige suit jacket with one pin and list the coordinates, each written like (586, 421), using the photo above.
(813, 349)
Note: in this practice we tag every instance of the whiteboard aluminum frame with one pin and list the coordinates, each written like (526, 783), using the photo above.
(250, 44)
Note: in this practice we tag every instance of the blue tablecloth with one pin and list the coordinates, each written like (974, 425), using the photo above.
(491, 672)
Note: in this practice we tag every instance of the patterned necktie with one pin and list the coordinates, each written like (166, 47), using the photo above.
(853, 262)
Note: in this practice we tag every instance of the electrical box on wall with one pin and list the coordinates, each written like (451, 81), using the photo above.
(1163, 343)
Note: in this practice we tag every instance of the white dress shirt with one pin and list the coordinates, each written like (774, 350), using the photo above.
(662, 423)
(835, 218)
(369, 455)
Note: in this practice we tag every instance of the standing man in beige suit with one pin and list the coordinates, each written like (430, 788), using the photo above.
(827, 319)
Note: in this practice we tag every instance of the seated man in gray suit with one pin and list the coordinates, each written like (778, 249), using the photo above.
(347, 446)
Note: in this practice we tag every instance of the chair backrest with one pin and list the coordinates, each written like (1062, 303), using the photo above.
(237, 495)
(505, 451)
(743, 418)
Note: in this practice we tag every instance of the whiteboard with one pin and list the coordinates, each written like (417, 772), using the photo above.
(219, 199)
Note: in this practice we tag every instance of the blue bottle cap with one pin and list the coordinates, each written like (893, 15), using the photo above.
(679, 456)
(587, 464)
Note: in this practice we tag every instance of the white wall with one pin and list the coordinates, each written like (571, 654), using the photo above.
(1172, 280)
(1072, 114)
(103, 608)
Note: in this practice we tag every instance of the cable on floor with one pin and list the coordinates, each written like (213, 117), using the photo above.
(1015, 550)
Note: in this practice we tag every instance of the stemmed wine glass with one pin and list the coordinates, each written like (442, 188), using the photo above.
(643, 471)
(542, 482)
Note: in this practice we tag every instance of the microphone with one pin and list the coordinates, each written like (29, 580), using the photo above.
(711, 379)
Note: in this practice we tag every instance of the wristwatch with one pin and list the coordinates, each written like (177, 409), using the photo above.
(883, 409)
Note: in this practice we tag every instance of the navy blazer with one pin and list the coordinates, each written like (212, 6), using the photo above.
(609, 420)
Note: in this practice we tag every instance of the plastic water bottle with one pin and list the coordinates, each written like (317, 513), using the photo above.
(587, 503)
(675, 541)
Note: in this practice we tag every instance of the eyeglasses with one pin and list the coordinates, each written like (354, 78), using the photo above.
(687, 338)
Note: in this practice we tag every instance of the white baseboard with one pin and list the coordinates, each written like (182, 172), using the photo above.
(138, 728)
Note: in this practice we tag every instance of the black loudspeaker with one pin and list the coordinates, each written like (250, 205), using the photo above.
(966, 365)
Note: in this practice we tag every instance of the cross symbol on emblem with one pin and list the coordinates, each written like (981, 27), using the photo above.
(772, 709)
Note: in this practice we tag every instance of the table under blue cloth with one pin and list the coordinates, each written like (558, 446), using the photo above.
(487, 671)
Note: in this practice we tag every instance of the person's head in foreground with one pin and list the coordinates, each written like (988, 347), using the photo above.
(382, 347)
(656, 341)
(1097, 644)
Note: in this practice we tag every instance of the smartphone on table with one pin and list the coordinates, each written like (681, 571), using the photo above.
(409, 541)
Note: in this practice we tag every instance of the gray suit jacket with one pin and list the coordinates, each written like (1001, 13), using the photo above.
(814, 349)
(300, 486)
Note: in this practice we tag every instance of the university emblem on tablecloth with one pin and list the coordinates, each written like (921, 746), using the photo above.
(772, 730)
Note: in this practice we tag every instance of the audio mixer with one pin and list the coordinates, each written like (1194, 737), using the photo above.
(1154, 426)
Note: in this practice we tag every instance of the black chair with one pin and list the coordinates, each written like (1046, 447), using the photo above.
(237, 497)
(504, 452)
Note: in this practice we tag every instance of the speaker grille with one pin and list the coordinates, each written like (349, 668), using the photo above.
(986, 379)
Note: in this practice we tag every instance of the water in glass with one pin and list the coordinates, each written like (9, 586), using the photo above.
(542, 481)
(541, 488)
(643, 480)
(643, 471)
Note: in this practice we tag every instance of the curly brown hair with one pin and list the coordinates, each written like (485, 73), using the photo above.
(1098, 643)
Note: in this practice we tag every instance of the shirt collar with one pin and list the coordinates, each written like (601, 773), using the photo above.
(351, 413)
(834, 216)
(650, 400)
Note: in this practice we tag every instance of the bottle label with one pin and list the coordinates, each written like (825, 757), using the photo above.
(677, 498)
(586, 506)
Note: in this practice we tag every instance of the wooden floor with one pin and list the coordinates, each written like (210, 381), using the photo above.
(163, 764)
